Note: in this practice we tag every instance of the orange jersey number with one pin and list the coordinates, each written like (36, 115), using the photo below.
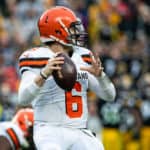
(74, 103)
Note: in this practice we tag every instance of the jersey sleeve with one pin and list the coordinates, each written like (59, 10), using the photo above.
(85, 55)
(29, 61)
(87, 58)
(102, 86)
(30, 64)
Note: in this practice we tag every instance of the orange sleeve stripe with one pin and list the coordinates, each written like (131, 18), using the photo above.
(87, 59)
(32, 62)
(14, 137)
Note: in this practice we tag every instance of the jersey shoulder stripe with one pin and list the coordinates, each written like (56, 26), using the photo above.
(84, 54)
(33, 62)
(87, 58)
(13, 137)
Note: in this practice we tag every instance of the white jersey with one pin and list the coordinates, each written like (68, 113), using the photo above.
(52, 104)
(14, 134)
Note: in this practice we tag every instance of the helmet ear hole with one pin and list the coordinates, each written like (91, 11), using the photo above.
(58, 32)
(21, 123)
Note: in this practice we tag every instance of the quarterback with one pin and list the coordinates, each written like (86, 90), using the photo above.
(60, 117)
(15, 134)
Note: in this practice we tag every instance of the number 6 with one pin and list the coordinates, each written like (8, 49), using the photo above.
(72, 101)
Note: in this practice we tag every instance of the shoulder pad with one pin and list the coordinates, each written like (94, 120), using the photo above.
(33, 58)
(85, 54)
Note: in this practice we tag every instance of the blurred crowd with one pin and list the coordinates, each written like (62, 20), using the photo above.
(119, 31)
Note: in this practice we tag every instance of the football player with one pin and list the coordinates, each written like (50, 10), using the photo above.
(61, 116)
(16, 134)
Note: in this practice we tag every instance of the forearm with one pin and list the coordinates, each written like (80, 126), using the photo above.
(103, 87)
(31, 82)
(108, 89)
(29, 87)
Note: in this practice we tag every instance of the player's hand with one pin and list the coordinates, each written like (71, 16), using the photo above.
(53, 64)
(96, 67)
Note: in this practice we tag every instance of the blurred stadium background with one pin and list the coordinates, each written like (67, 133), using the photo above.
(119, 30)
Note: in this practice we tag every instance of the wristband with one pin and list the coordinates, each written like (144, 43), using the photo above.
(43, 75)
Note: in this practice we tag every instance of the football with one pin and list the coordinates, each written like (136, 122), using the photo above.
(66, 77)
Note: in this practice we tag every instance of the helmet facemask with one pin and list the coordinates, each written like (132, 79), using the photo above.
(77, 35)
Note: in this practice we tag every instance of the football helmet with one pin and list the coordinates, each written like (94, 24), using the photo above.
(24, 119)
(61, 24)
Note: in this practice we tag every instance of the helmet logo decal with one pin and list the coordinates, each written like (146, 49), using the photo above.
(46, 20)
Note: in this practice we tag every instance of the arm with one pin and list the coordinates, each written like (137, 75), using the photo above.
(98, 80)
(102, 86)
(29, 87)
(31, 83)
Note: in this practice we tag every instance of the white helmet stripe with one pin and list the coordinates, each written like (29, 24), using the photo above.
(63, 25)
